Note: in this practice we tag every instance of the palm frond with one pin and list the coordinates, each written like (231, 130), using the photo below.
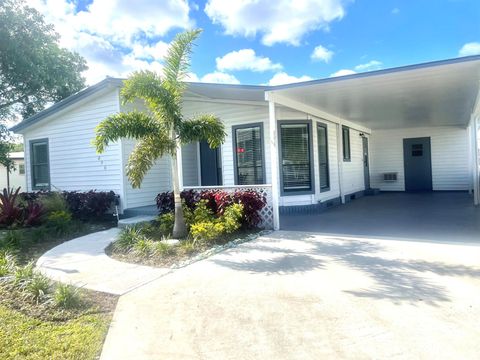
(177, 61)
(148, 86)
(202, 127)
(144, 155)
(134, 125)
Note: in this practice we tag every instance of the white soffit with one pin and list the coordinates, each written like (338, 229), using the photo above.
(442, 94)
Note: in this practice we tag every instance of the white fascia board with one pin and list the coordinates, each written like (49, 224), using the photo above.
(297, 105)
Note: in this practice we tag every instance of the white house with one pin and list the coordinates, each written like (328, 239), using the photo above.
(16, 176)
(307, 145)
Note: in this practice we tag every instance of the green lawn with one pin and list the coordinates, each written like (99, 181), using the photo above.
(24, 337)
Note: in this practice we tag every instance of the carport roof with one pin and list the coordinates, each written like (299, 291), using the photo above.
(441, 93)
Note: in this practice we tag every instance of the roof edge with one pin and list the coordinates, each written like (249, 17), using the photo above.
(82, 94)
(392, 70)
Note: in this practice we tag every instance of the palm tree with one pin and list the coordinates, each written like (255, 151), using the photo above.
(163, 129)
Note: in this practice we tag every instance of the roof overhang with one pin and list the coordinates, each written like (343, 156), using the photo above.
(441, 93)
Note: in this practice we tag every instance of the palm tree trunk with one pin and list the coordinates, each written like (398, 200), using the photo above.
(179, 226)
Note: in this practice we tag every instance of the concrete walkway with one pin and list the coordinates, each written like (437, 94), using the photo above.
(302, 296)
(83, 262)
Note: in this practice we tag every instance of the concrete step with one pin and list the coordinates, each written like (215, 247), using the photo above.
(132, 221)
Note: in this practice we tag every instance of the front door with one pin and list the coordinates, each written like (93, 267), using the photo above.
(418, 164)
(366, 169)
(210, 168)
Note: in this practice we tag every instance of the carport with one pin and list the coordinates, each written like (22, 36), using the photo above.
(421, 123)
(434, 216)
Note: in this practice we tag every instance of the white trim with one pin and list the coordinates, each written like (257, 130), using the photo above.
(224, 101)
(476, 184)
(199, 165)
(275, 168)
(297, 105)
(229, 186)
(123, 178)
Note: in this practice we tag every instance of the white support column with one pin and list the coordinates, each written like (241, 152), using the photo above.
(476, 176)
(274, 164)
(340, 162)
(180, 166)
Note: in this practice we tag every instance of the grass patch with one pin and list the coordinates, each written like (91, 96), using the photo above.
(25, 337)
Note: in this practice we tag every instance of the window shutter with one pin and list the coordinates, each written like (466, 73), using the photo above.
(323, 157)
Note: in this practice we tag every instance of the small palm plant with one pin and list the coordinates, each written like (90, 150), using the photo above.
(163, 129)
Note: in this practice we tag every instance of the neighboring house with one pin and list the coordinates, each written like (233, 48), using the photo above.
(309, 145)
(16, 177)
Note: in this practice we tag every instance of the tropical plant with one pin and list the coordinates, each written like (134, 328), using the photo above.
(163, 129)
(60, 221)
(10, 211)
(128, 237)
(33, 214)
(67, 296)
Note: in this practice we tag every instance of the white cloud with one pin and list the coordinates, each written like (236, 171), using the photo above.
(219, 78)
(321, 53)
(115, 36)
(371, 65)
(395, 11)
(343, 72)
(468, 49)
(281, 21)
(245, 59)
(283, 78)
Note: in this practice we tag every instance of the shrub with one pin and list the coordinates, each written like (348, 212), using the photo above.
(67, 296)
(33, 214)
(143, 247)
(53, 201)
(39, 233)
(60, 222)
(252, 203)
(166, 221)
(10, 211)
(207, 230)
(202, 213)
(89, 205)
(128, 237)
(11, 239)
(162, 249)
(23, 274)
(165, 201)
(7, 263)
(37, 287)
(232, 218)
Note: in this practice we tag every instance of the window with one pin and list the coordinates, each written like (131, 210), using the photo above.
(21, 169)
(323, 157)
(417, 149)
(295, 151)
(40, 165)
(346, 143)
(248, 149)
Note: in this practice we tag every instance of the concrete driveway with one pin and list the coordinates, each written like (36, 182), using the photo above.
(308, 296)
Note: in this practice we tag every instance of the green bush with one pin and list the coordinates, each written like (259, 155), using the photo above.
(11, 239)
(60, 222)
(54, 202)
(166, 223)
(209, 228)
(23, 274)
(37, 287)
(7, 263)
(128, 237)
(202, 213)
(67, 296)
(162, 249)
(143, 247)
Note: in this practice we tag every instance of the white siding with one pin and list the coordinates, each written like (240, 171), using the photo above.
(449, 157)
(190, 165)
(233, 114)
(353, 172)
(157, 180)
(74, 164)
(16, 179)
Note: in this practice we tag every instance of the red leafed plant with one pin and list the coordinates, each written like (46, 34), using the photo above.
(252, 203)
(33, 214)
(10, 211)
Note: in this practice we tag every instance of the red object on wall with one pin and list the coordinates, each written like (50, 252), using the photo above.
(240, 150)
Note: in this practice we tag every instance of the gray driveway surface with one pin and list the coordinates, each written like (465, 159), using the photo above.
(295, 295)
(438, 216)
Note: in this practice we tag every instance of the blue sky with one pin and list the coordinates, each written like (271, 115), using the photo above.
(261, 42)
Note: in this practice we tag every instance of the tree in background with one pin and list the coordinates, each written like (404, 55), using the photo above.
(34, 69)
(162, 129)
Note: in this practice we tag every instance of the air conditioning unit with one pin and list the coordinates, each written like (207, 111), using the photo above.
(390, 176)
